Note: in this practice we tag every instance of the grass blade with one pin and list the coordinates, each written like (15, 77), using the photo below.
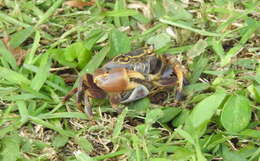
(121, 13)
(168, 21)
(236, 113)
(49, 12)
(51, 126)
(96, 60)
(78, 115)
(30, 56)
(23, 111)
(13, 76)
(19, 37)
(119, 124)
(231, 53)
(11, 20)
(41, 75)
(205, 109)
(111, 155)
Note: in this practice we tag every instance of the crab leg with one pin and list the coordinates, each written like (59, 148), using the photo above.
(80, 94)
(180, 76)
(87, 106)
(70, 94)
(114, 100)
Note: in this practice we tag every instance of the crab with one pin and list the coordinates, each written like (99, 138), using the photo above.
(130, 77)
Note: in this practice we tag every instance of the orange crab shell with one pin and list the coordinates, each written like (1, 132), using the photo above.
(116, 80)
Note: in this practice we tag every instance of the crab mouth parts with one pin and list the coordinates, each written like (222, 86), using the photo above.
(135, 94)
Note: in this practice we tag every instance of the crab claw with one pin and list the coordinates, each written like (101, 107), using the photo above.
(116, 80)
(138, 93)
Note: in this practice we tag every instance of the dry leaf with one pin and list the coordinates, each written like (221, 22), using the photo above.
(78, 3)
(2, 3)
(143, 7)
(18, 53)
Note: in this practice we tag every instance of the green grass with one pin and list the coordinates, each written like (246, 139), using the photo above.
(217, 41)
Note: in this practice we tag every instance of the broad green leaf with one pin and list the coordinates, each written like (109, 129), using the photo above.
(59, 141)
(196, 87)
(215, 140)
(84, 144)
(251, 133)
(182, 154)
(7, 56)
(197, 49)
(236, 113)
(71, 52)
(13, 76)
(181, 118)
(83, 58)
(58, 55)
(11, 148)
(77, 51)
(119, 43)
(169, 113)
(197, 68)
(19, 37)
(254, 92)
(160, 40)
(141, 105)
(119, 123)
(185, 135)
(204, 110)
(232, 156)
(153, 116)
(82, 156)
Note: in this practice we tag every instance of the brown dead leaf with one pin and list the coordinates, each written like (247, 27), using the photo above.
(18, 53)
(79, 3)
(141, 6)
(2, 4)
